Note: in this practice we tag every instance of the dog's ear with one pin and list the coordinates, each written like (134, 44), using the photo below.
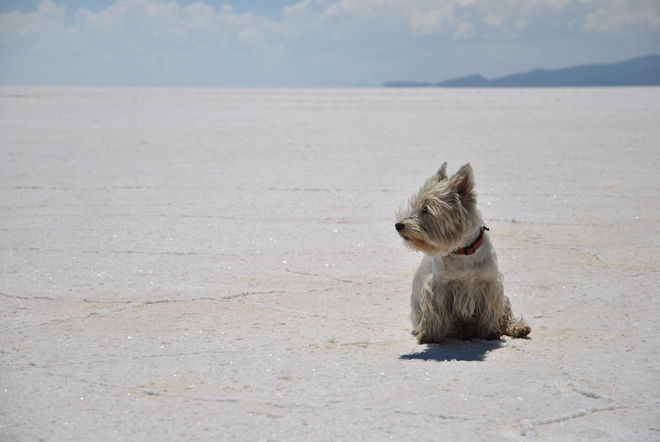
(462, 182)
(442, 172)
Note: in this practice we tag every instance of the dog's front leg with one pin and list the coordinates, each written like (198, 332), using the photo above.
(430, 317)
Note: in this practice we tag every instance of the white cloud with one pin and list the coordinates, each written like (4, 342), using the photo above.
(464, 30)
(617, 14)
(311, 39)
(146, 20)
(420, 17)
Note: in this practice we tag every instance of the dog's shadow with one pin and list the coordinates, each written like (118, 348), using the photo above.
(456, 350)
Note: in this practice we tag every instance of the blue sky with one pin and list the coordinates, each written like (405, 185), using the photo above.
(310, 43)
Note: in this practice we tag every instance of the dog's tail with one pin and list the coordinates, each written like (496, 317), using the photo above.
(517, 328)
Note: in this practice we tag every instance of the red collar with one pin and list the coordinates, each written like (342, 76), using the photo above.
(472, 248)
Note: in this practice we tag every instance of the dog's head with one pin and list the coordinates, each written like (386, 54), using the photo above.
(441, 214)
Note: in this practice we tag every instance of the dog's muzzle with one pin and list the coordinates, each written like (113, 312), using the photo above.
(399, 226)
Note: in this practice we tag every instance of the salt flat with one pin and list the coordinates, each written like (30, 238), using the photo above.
(190, 264)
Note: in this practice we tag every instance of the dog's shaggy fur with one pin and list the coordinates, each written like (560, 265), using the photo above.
(454, 295)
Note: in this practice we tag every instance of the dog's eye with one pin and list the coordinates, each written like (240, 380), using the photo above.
(424, 211)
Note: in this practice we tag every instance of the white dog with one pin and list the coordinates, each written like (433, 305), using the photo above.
(457, 290)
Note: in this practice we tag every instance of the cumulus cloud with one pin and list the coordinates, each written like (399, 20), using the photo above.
(617, 14)
(207, 43)
(144, 20)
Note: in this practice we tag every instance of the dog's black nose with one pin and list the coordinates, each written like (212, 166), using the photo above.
(399, 226)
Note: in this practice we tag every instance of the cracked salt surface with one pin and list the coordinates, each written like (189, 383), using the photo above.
(222, 264)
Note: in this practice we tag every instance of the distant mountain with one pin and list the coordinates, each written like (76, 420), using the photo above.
(640, 71)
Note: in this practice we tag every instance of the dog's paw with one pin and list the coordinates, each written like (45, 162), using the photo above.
(422, 336)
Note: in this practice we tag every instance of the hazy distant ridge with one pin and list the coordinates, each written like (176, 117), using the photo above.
(640, 71)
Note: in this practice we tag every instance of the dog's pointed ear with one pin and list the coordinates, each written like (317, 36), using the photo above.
(442, 172)
(463, 183)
